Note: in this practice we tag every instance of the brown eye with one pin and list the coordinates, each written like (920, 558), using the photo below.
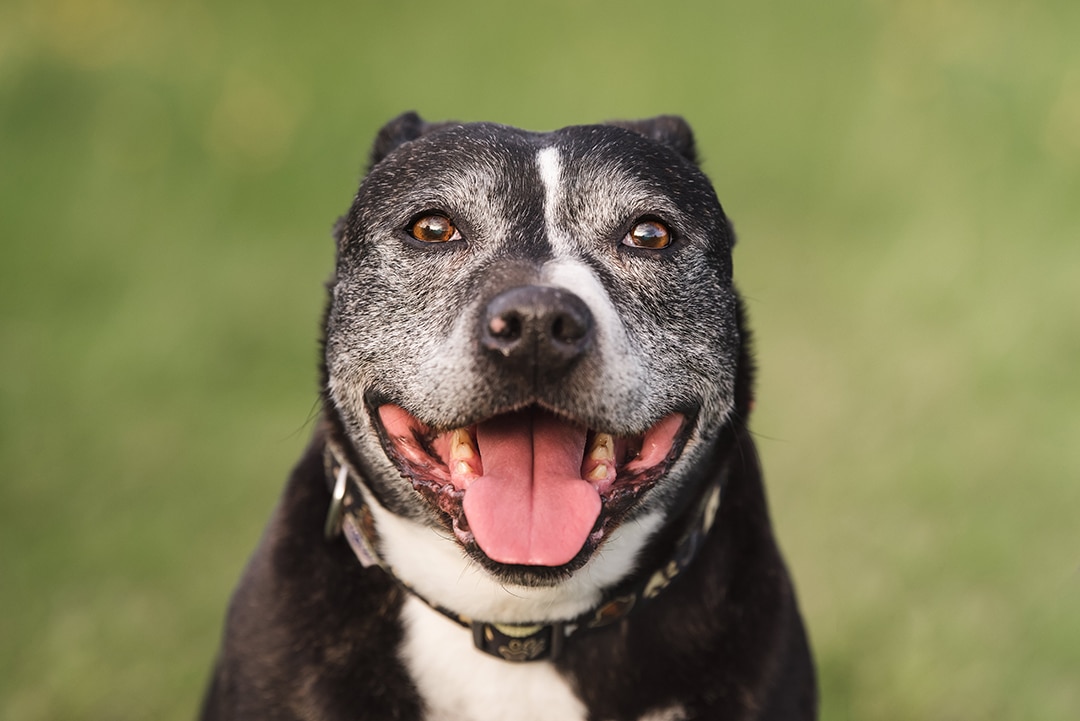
(648, 234)
(434, 229)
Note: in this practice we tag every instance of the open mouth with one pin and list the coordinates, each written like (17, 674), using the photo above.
(529, 487)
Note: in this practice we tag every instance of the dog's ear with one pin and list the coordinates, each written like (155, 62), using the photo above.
(670, 130)
(405, 127)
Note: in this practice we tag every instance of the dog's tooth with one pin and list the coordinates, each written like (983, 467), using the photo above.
(600, 473)
(603, 447)
(464, 459)
(461, 446)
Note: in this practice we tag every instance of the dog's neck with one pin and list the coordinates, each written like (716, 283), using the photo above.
(350, 516)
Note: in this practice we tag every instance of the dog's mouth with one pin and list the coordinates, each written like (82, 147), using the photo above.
(530, 488)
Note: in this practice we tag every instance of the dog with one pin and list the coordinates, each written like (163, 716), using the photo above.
(531, 493)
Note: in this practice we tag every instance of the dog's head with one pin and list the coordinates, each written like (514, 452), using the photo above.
(531, 343)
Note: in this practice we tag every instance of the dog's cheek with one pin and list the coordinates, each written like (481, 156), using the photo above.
(683, 323)
(389, 317)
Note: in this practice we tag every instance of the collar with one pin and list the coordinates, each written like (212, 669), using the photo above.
(350, 516)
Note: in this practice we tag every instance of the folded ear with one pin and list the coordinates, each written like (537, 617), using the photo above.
(670, 130)
(405, 127)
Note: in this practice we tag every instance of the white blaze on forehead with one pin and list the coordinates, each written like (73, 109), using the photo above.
(567, 269)
(549, 164)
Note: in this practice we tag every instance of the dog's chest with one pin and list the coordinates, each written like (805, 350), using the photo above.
(458, 683)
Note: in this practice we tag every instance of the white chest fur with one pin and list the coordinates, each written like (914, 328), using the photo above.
(459, 683)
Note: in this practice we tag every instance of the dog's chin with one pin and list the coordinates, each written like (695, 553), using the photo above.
(529, 494)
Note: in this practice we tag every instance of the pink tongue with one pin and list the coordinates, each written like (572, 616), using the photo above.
(531, 507)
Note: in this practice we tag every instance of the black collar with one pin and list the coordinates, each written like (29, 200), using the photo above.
(350, 515)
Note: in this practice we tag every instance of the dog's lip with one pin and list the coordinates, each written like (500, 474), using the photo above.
(442, 465)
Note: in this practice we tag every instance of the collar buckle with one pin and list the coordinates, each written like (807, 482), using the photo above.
(519, 643)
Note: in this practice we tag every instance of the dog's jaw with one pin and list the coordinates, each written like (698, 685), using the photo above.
(529, 488)
(433, 563)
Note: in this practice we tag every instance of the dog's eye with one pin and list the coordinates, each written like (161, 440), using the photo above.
(434, 229)
(648, 234)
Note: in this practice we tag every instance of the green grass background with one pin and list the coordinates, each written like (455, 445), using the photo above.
(905, 179)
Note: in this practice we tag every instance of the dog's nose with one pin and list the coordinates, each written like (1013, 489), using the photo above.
(537, 329)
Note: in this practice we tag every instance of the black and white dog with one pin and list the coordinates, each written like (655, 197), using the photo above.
(532, 493)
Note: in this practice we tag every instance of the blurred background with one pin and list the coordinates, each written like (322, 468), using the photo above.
(904, 177)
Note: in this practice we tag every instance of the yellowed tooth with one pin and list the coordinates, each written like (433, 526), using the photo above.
(600, 473)
(602, 448)
(461, 447)
(462, 468)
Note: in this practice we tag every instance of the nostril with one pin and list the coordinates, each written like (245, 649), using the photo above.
(558, 328)
(505, 327)
(568, 328)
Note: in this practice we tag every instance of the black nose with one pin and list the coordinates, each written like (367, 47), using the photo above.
(537, 330)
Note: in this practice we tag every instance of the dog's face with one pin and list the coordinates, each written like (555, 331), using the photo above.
(531, 341)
